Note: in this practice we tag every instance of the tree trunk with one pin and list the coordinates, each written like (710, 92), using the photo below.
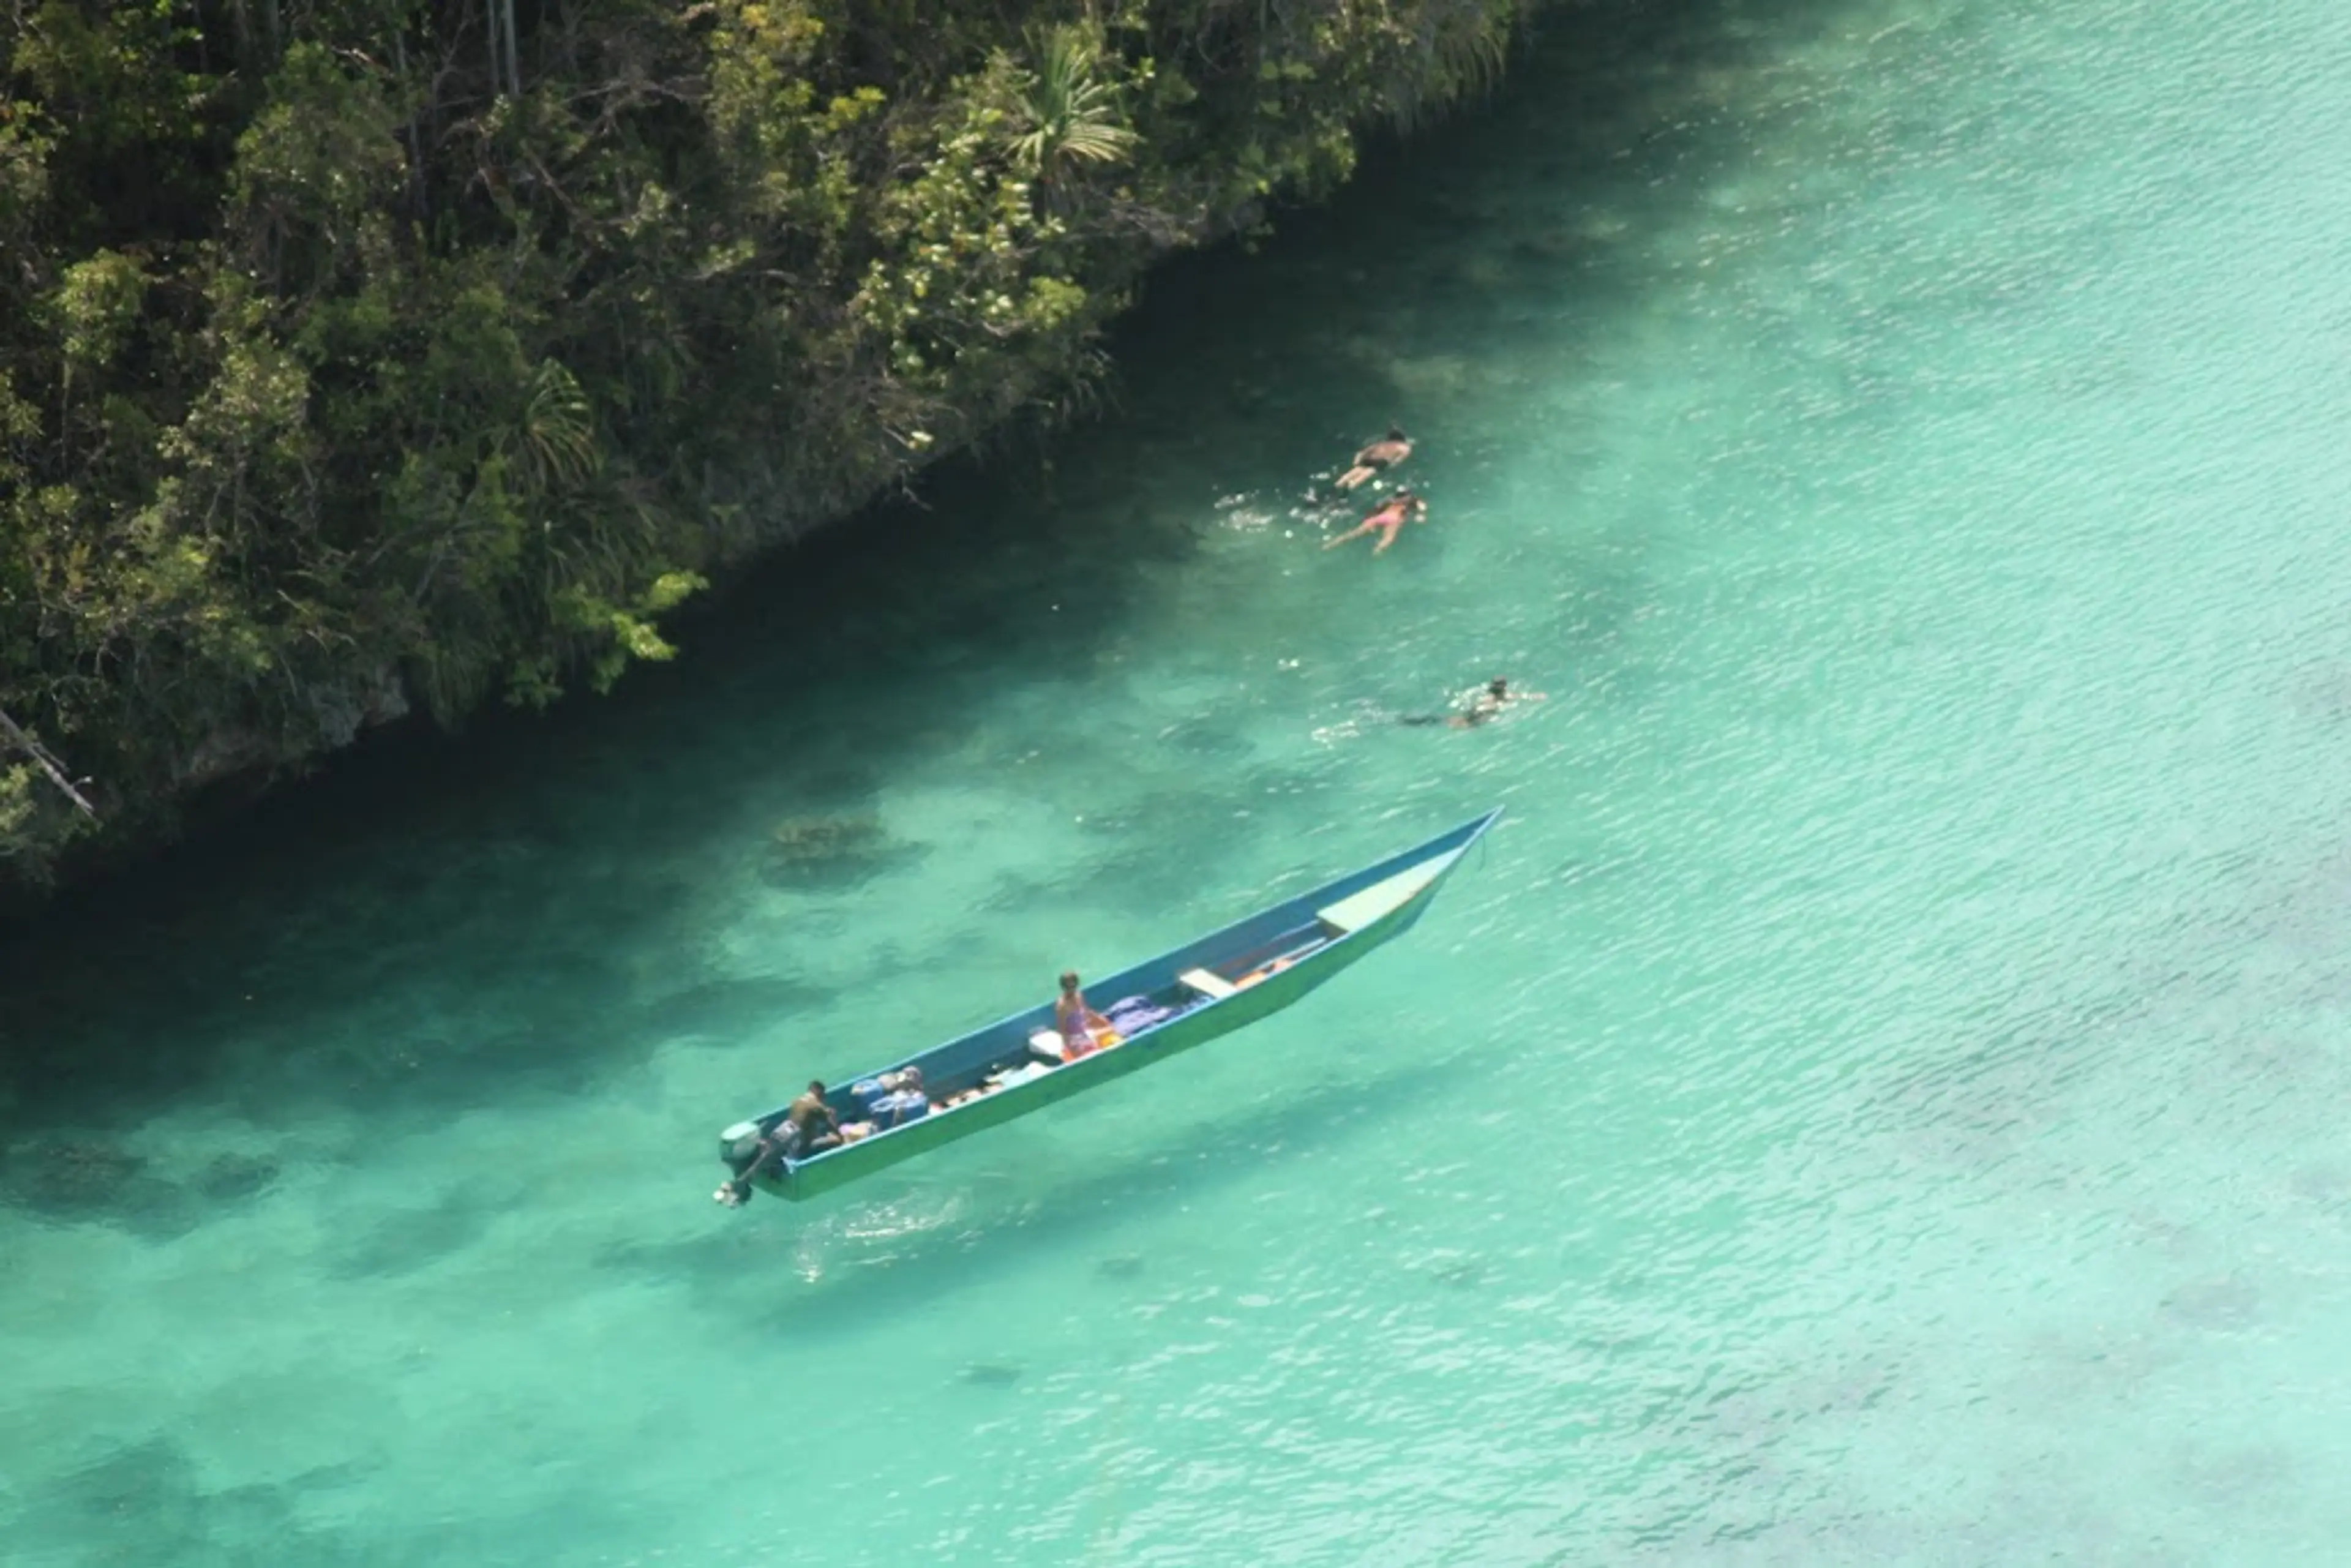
(497, 68)
(505, 57)
(415, 146)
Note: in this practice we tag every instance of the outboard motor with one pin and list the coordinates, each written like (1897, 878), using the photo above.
(739, 1145)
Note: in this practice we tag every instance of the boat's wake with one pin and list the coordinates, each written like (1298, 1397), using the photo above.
(877, 1234)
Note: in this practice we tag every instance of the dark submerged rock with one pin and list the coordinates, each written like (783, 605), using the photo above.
(828, 850)
(71, 1174)
(229, 1178)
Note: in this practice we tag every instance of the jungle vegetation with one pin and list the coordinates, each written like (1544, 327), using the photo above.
(363, 356)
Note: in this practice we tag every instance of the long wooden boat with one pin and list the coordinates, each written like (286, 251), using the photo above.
(1210, 987)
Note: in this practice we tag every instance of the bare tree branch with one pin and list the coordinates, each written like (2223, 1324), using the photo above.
(14, 735)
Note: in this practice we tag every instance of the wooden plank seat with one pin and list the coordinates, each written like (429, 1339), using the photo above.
(1208, 984)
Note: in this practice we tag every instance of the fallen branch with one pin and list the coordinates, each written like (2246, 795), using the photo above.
(18, 741)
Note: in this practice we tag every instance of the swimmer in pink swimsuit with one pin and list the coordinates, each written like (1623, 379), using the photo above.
(1384, 520)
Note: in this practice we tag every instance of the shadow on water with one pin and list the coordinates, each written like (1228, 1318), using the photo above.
(410, 1238)
(745, 1272)
(496, 875)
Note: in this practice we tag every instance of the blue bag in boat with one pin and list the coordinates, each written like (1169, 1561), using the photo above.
(892, 1110)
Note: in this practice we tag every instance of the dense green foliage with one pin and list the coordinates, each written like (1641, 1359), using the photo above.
(358, 354)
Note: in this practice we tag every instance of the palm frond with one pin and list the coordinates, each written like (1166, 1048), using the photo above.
(558, 438)
(1072, 114)
(1465, 48)
(1090, 143)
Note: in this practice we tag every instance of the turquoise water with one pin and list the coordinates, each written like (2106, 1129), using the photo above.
(1877, 1098)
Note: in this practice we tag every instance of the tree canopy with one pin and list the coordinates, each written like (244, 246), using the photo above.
(358, 355)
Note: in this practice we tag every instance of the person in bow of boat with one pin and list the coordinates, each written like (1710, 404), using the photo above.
(1075, 1021)
(1380, 455)
(808, 1127)
(1386, 520)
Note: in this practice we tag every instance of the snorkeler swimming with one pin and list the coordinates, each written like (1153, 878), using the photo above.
(1476, 706)
(1386, 520)
(1384, 453)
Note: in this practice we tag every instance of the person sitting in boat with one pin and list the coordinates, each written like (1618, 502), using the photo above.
(1383, 454)
(1386, 520)
(813, 1127)
(1075, 1021)
(808, 1127)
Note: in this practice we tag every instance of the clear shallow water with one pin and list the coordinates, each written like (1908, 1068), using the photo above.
(1877, 1099)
